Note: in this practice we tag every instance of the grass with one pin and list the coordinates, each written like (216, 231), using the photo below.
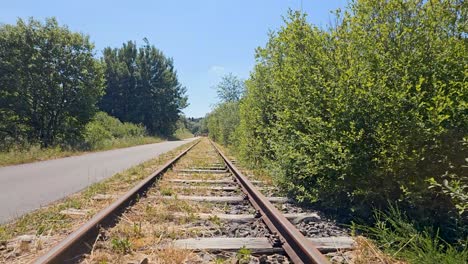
(128, 142)
(243, 255)
(183, 133)
(121, 245)
(42, 221)
(36, 153)
(174, 256)
(399, 239)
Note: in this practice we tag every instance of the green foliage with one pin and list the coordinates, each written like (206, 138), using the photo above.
(399, 237)
(182, 130)
(243, 255)
(121, 245)
(196, 126)
(142, 88)
(29, 153)
(50, 83)
(223, 121)
(183, 133)
(230, 88)
(104, 129)
(370, 110)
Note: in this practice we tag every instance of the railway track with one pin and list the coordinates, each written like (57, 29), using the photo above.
(200, 208)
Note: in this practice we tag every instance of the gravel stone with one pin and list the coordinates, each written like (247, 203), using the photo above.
(254, 259)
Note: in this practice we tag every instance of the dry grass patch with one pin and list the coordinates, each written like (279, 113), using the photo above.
(171, 255)
(366, 253)
(202, 155)
(147, 229)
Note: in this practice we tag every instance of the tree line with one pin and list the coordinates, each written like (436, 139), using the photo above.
(223, 121)
(52, 85)
(369, 111)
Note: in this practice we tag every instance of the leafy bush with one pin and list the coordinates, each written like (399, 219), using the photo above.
(222, 122)
(371, 110)
(96, 135)
(182, 133)
(104, 129)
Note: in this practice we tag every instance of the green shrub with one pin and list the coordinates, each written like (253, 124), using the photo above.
(223, 121)
(96, 135)
(371, 110)
(183, 133)
(104, 130)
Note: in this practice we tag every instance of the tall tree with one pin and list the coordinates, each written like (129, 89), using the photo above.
(121, 74)
(49, 80)
(142, 87)
(230, 89)
(224, 119)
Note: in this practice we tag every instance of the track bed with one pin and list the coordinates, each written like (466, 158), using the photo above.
(200, 209)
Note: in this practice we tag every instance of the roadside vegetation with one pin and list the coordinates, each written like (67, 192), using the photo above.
(57, 99)
(366, 119)
(103, 132)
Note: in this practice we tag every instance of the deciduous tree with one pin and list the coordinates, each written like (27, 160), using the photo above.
(49, 83)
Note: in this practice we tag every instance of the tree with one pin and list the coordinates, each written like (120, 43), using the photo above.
(121, 74)
(50, 83)
(223, 121)
(142, 87)
(230, 89)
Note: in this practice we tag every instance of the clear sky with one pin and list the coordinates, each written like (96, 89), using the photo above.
(206, 38)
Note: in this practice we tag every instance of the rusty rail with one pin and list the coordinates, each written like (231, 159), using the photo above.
(81, 241)
(298, 247)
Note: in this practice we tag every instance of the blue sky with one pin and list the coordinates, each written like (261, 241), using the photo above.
(206, 38)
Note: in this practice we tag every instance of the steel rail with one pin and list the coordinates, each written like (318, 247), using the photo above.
(298, 247)
(81, 241)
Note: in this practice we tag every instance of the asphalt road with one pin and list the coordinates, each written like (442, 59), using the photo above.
(26, 187)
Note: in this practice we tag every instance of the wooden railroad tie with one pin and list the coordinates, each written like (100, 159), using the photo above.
(216, 188)
(221, 181)
(220, 199)
(246, 218)
(201, 171)
(259, 245)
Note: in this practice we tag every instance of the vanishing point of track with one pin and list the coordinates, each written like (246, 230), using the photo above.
(298, 248)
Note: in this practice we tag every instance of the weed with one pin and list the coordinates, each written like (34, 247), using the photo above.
(219, 260)
(167, 191)
(215, 220)
(72, 203)
(96, 188)
(137, 229)
(3, 233)
(243, 255)
(398, 237)
(121, 245)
